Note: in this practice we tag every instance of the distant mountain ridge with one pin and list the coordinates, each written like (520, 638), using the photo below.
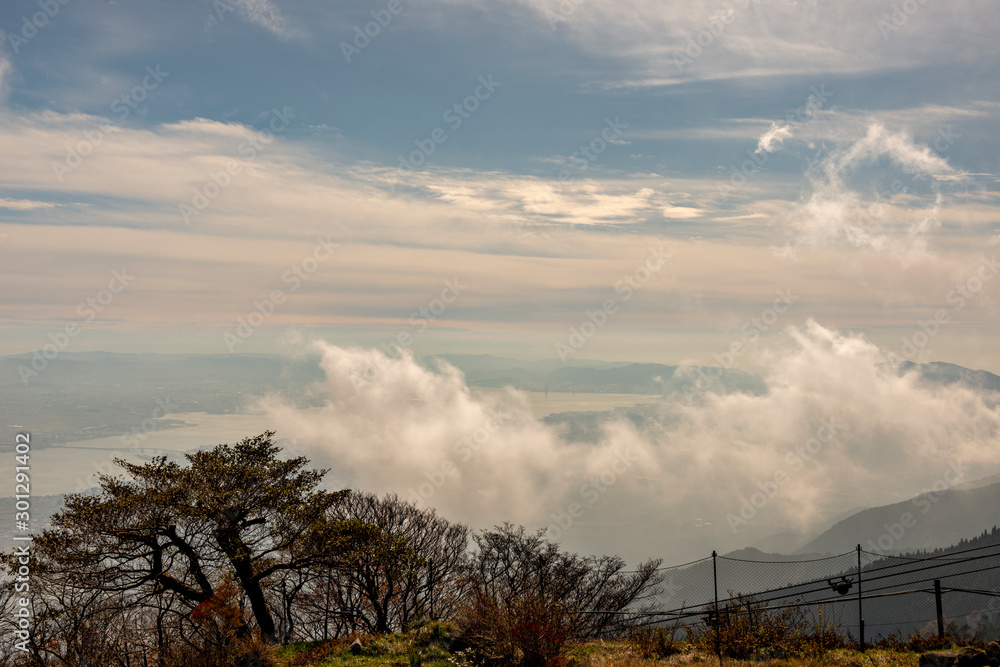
(939, 372)
(927, 521)
(590, 376)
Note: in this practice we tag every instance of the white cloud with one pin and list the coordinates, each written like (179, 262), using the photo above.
(894, 222)
(23, 204)
(771, 140)
(391, 424)
(667, 42)
(403, 427)
(509, 231)
(681, 212)
(265, 14)
(209, 127)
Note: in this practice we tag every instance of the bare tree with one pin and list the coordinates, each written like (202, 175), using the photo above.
(526, 597)
(416, 573)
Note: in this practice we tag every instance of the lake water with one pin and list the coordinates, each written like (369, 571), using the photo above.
(74, 466)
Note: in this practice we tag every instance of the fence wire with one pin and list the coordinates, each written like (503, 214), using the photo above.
(893, 595)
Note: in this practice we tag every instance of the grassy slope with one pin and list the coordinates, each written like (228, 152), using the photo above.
(406, 650)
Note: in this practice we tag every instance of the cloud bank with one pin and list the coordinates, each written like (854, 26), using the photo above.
(837, 427)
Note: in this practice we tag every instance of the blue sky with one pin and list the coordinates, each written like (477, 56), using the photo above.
(866, 132)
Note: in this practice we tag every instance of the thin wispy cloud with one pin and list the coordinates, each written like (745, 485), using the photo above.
(527, 185)
(267, 15)
(23, 204)
(896, 220)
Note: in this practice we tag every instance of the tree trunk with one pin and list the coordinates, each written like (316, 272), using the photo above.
(239, 557)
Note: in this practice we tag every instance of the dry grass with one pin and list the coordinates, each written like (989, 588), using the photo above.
(623, 654)
(414, 650)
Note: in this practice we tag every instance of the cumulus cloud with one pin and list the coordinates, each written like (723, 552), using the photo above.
(392, 425)
(838, 422)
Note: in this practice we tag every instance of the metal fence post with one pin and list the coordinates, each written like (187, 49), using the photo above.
(939, 607)
(718, 615)
(861, 617)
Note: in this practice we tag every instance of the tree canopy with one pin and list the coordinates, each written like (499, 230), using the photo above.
(236, 512)
(191, 563)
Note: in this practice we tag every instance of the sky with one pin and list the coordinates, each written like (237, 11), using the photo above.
(804, 189)
(326, 170)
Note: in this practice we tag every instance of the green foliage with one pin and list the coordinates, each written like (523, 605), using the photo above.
(427, 632)
(173, 536)
(424, 644)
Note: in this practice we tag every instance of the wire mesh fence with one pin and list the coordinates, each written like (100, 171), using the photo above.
(860, 596)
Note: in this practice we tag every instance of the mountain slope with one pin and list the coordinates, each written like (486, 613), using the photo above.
(927, 521)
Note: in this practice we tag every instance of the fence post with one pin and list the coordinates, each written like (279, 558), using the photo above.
(938, 605)
(861, 617)
(718, 615)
